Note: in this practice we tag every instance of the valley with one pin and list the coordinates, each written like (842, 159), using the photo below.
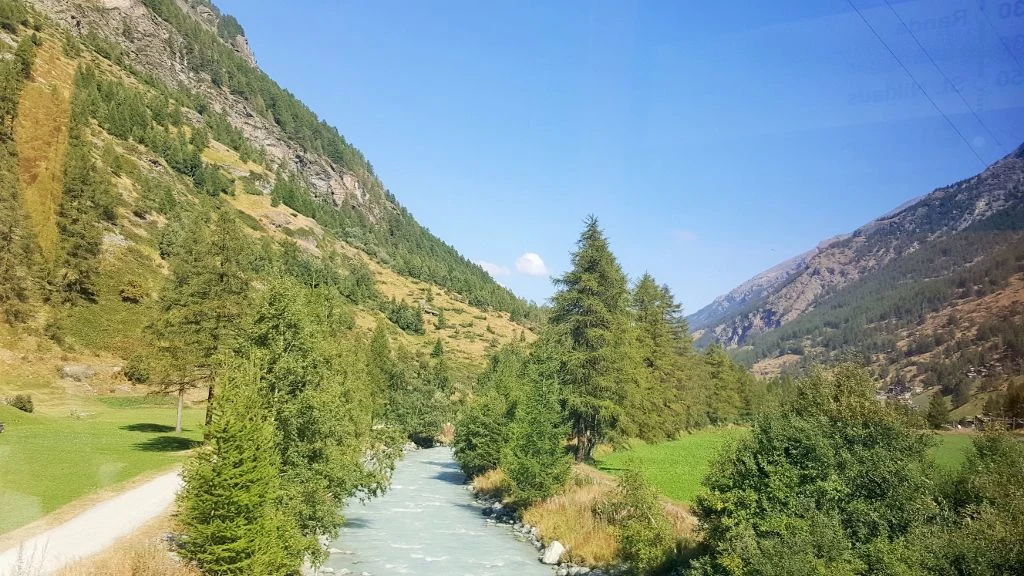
(227, 348)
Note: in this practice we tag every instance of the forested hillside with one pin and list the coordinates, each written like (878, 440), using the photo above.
(139, 223)
(930, 295)
(193, 51)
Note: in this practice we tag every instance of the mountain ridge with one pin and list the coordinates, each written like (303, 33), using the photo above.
(784, 292)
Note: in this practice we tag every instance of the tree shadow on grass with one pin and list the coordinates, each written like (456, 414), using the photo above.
(167, 444)
(147, 427)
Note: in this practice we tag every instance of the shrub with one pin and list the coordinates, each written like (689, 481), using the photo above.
(134, 291)
(136, 370)
(645, 536)
(22, 402)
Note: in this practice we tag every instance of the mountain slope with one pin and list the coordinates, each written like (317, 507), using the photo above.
(192, 48)
(878, 293)
(153, 151)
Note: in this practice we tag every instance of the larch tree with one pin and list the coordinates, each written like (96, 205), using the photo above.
(590, 318)
(200, 308)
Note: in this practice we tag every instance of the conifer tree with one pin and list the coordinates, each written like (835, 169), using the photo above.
(319, 403)
(200, 307)
(534, 459)
(591, 320)
(18, 250)
(88, 199)
(232, 508)
(938, 410)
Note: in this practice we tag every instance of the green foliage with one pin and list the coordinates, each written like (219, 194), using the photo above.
(202, 304)
(22, 402)
(482, 429)
(981, 530)
(533, 458)
(645, 536)
(233, 510)
(480, 433)
(938, 411)
(135, 290)
(136, 370)
(836, 484)
(320, 402)
(411, 395)
(404, 315)
(129, 113)
(13, 14)
(590, 320)
(18, 250)
(88, 201)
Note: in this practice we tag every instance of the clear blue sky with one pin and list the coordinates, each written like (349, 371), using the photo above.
(711, 139)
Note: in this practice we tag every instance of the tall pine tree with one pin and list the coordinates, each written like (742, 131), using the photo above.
(591, 320)
(232, 510)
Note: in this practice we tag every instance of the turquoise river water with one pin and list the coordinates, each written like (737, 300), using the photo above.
(427, 524)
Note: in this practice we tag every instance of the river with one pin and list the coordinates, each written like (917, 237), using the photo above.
(427, 524)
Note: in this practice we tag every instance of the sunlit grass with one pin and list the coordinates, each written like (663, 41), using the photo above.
(50, 460)
(675, 468)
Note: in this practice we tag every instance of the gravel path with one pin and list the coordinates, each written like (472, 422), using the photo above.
(91, 531)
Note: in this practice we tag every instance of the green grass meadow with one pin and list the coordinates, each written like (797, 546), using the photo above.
(47, 461)
(677, 467)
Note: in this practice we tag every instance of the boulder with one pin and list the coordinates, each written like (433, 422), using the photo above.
(553, 553)
(77, 372)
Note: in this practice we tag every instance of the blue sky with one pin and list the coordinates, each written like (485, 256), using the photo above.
(712, 140)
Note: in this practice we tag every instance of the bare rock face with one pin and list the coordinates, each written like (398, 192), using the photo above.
(241, 45)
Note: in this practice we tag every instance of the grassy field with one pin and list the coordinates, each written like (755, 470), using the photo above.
(677, 467)
(50, 460)
(952, 449)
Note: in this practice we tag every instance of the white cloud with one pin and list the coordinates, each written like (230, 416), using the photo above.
(684, 235)
(531, 264)
(493, 269)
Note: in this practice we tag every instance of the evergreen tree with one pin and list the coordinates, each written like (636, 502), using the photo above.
(320, 403)
(88, 200)
(381, 370)
(232, 510)
(534, 459)
(201, 307)
(590, 319)
(938, 411)
(658, 410)
(18, 249)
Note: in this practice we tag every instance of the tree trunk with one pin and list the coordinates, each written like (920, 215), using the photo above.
(582, 447)
(209, 406)
(181, 401)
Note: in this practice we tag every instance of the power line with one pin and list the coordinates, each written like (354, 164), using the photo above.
(916, 83)
(946, 78)
(1009, 50)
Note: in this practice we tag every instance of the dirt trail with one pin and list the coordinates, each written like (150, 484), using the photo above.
(91, 531)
